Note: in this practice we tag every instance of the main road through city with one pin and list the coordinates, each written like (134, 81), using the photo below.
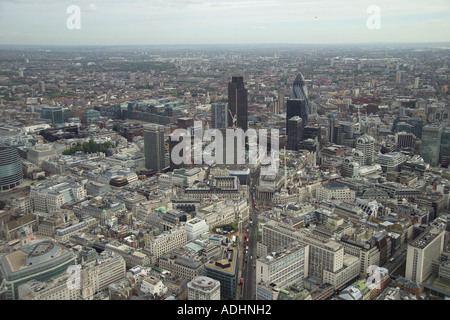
(248, 271)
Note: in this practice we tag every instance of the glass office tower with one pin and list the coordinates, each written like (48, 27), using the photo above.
(238, 102)
(219, 115)
(53, 114)
(298, 104)
(154, 149)
(10, 168)
(431, 143)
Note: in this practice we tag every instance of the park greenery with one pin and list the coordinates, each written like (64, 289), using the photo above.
(89, 147)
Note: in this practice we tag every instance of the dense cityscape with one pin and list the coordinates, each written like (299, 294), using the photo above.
(95, 208)
(145, 157)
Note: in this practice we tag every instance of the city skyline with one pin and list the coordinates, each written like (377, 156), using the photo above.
(146, 22)
(205, 170)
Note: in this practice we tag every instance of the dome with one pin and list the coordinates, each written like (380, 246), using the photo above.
(299, 80)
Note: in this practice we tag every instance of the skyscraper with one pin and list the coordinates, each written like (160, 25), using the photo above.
(278, 104)
(295, 133)
(365, 146)
(219, 115)
(10, 168)
(53, 114)
(398, 77)
(154, 146)
(445, 147)
(299, 90)
(298, 104)
(238, 102)
(281, 99)
(416, 82)
(431, 143)
(42, 86)
(421, 253)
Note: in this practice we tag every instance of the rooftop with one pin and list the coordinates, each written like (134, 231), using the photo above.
(32, 255)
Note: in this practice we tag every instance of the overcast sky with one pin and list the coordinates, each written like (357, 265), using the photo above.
(146, 22)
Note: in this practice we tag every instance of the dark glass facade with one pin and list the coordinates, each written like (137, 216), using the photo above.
(219, 115)
(53, 114)
(295, 133)
(298, 104)
(154, 146)
(238, 102)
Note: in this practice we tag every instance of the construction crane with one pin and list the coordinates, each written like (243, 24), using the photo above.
(234, 119)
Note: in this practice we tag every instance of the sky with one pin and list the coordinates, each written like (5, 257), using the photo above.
(154, 22)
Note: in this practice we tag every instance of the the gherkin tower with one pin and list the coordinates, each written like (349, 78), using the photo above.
(298, 104)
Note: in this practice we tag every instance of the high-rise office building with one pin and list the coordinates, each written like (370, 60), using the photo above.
(299, 90)
(431, 143)
(154, 146)
(281, 268)
(42, 86)
(53, 114)
(238, 102)
(219, 115)
(405, 139)
(366, 145)
(278, 104)
(298, 104)
(398, 77)
(445, 147)
(203, 288)
(225, 271)
(416, 82)
(11, 174)
(421, 253)
(295, 107)
(408, 124)
(281, 102)
(295, 133)
(276, 107)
